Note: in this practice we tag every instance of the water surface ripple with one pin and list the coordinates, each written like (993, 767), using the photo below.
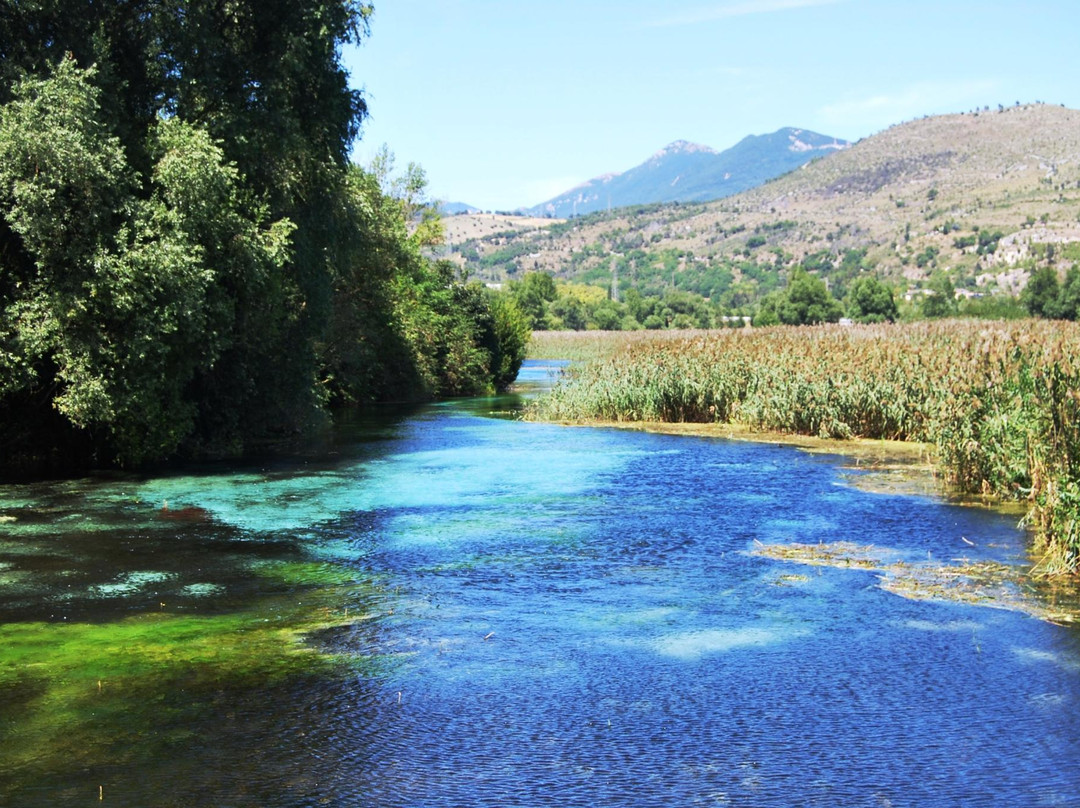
(561, 617)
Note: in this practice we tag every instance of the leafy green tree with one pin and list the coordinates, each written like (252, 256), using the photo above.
(188, 264)
(942, 303)
(927, 256)
(653, 322)
(511, 332)
(569, 313)
(988, 240)
(607, 317)
(120, 301)
(1042, 294)
(532, 294)
(405, 327)
(258, 93)
(639, 306)
(871, 301)
(807, 301)
(767, 311)
(1069, 300)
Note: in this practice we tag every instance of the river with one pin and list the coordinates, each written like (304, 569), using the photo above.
(452, 607)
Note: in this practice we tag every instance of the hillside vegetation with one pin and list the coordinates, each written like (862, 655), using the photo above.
(980, 198)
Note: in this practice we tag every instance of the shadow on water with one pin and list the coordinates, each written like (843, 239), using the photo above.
(446, 609)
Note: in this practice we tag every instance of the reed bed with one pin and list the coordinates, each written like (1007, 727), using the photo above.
(582, 346)
(1000, 401)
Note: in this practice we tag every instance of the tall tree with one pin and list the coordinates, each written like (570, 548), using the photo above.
(188, 263)
(807, 301)
(942, 300)
(116, 299)
(1042, 294)
(871, 301)
(1069, 300)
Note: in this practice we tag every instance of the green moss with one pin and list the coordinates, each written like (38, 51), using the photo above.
(88, 692)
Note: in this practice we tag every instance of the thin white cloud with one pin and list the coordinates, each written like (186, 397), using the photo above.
(926, 98)
(741, 9)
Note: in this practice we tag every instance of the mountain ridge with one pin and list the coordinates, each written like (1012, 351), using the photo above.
(684, 171)
(984, 197)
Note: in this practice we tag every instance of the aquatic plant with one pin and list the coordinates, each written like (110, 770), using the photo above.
(982, 583)
(81, 694)
(999, 401)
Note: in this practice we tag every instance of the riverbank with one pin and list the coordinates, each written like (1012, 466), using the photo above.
(997, 401)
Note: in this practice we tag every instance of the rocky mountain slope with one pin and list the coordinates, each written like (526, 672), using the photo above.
(981, 196)
(690, 172)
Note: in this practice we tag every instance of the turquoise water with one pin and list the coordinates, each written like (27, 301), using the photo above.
(548, 616)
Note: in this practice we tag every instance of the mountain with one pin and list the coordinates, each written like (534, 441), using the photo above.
(456, 208)
(690, 172)
(982, 196)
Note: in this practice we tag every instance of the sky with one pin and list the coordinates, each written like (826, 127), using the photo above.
(507, 103)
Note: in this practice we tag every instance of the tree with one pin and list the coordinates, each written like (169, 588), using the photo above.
(227, 295)
(942, 301)
(1069, 300)
(188, 263)
(807, 301)
(118, 302)
(532, 294)
(511, 333)
(1042, 294)
(607, 317)
(766, 313)
(871, 301)
(568, 312)
(653, 322)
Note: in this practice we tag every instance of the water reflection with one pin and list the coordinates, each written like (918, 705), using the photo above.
(505, 613)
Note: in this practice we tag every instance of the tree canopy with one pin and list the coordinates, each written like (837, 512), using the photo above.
(871, 301)
(188, 262)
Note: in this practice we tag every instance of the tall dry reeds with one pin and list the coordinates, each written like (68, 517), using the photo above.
(1000, 401)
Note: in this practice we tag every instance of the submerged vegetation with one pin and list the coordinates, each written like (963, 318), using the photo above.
(78, 690)
(999, 401)
(984, 583)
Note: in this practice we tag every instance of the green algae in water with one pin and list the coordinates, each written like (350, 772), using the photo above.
(83, 694)
(309, 573)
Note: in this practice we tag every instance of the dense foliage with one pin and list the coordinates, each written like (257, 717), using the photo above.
(188, 263)
(1045, 296)
(997, 400)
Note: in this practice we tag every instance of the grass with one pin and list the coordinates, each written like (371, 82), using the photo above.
(583, 346)
(998, 401)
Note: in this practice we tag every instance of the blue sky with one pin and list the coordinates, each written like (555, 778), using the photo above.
(506, 103)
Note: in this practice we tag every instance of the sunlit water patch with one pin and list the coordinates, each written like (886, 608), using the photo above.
(458, 610)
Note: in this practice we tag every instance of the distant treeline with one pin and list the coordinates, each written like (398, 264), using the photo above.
(189, 264)
(800, 298)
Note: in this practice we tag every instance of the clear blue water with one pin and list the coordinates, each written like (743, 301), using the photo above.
(562, 616)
